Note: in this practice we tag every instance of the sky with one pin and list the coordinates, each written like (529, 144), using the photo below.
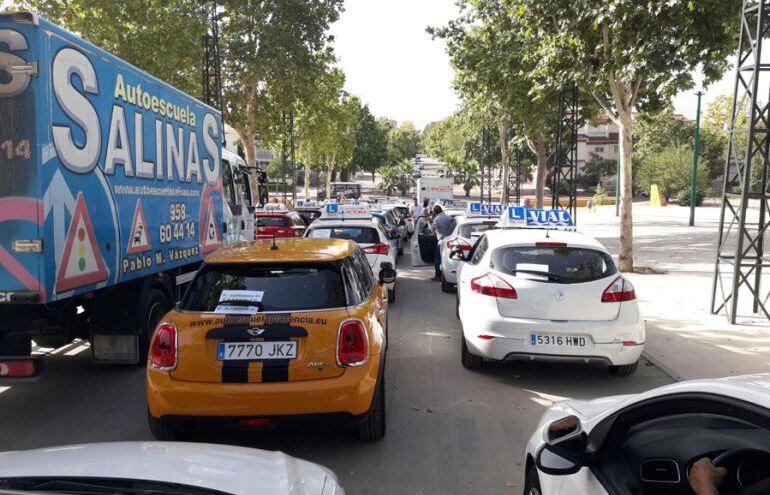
(392, 63)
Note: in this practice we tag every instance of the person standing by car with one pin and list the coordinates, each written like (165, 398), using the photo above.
(415, 210)
(443, 225)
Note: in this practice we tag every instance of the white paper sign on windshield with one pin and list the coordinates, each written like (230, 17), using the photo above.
(236, 310)
(523, 270)
(241, 295)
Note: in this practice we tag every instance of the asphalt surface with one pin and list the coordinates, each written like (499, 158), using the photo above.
(450, 430)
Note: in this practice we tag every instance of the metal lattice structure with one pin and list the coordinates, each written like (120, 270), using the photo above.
(212, 63)
(513, 186)
(565, 158)
(743, 222)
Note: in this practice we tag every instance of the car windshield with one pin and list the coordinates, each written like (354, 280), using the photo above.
(467, 229)
(361, 235)
(567, 265)
(268, 287)
(272, 222)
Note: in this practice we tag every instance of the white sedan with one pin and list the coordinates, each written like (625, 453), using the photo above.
(535, 293)
(162, 468)
(666, 441)
(355, 223)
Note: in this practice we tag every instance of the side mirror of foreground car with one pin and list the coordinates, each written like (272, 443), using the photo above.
(564, 449)
(387, 273)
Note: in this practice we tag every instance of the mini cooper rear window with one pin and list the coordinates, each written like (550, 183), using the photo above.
(282, 287)
(361, 235)
(565, 265)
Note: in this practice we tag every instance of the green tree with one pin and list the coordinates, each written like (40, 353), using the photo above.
(273, 54)
(715, 135)
(463, 172)
(656, 131)
(371, 148)
(671, 169)
(403, 143)
(162, 37)
(397, 177)
(627, 55)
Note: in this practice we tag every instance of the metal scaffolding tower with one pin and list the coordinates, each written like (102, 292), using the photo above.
(743, 222)
(212, 63)
(565, 158)
(513, 186)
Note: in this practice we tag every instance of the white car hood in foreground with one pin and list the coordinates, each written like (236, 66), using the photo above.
(236, 470)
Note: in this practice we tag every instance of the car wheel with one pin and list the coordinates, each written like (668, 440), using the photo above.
(457, 307)
(624, 370)
(372, 428)
(161, 431)
(470, 361)
(392, 295)
(532, 482)
(446, 286)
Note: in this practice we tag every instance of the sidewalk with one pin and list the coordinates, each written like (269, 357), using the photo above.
(683, 338)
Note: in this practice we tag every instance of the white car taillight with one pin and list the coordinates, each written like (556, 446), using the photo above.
(620, 290)
(462, 244)
(380, 248)
(163, 350)
(492, 285)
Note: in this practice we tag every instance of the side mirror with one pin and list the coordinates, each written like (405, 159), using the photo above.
(387, 273)
(458, 254)
(565, 448)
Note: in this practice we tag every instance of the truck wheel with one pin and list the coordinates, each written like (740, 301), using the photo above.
(156, 306)
(18, 345)
(159, 430)
(372, 428)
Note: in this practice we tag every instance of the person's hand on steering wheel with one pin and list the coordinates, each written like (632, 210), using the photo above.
(705, 477)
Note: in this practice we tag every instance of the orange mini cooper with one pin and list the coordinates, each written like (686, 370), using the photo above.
(272, 332)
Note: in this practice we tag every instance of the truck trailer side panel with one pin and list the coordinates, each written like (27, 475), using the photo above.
(106, 173)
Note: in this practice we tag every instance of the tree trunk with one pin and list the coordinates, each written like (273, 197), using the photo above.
(538, 146)
(626, 254)
(329, 173)
(467, 187)
(307, 181)
(505, 165)
(250, 148)
(372, 177)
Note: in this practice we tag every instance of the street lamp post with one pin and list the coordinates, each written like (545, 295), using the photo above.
(694, 184)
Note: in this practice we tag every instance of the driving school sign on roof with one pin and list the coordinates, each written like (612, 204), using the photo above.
(519, 216)
(478, 209)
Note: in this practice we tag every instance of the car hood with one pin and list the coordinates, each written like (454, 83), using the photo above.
(236, 470)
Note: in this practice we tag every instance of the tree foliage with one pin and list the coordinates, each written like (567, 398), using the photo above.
(371, 149)
(403, 143)
(671, 169)
(397, 177)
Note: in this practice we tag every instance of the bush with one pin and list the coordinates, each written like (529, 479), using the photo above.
(683, 197)
(671, 170)
(600, 197)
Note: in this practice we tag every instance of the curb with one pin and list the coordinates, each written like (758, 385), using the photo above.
(662, 367)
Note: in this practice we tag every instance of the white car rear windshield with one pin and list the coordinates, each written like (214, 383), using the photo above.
(467, 229)
(361, 235)
(268, 287)
(566, 265)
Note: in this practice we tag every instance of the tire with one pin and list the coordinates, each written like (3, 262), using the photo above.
(446, 286)
(156, 306)
(532, 482)
(372, 429)
(161, 431)
(392, 295)
(470, 361)
(624, 370)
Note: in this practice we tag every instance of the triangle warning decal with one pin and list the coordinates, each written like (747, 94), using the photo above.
(211, 236)
(139, 236)
(81, 262)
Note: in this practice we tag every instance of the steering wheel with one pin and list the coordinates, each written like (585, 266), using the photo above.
(736, 482)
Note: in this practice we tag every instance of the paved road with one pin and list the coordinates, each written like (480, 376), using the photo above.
(450, 430)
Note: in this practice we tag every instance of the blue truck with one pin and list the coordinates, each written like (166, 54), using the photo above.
(113, 187)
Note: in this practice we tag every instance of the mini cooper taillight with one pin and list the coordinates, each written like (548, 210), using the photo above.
(492, 285)
(620, 290)
(352, 344)
(163, 350)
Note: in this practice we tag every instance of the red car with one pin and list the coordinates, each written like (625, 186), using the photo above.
(279, 224)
